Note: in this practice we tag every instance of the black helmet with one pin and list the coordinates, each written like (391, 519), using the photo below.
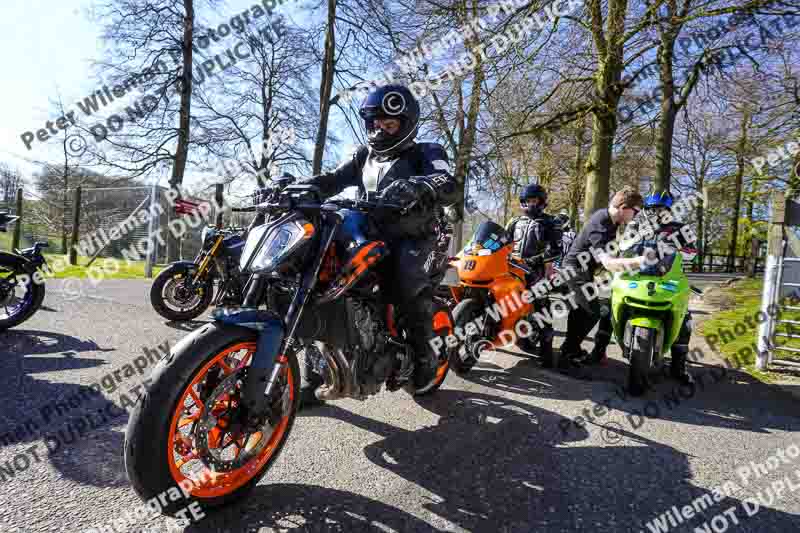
(529, 192)
(534, 190)
(390, 101)
(562, 221)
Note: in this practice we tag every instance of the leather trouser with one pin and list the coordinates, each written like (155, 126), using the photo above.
(583, 317)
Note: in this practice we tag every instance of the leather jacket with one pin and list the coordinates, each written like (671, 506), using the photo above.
(536, 240)
(426, 163)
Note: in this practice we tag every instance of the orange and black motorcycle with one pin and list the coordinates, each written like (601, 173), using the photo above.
(490, 298)
(222, 404)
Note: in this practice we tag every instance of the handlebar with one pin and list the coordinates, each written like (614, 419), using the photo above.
(332, 205)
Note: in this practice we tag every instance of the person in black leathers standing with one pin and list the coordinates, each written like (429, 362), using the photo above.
(537, 241)
(393, 168)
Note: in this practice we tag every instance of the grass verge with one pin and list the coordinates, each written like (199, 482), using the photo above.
(743, 314)
(104, 268)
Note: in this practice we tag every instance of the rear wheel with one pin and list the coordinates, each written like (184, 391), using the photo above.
(20, 296)
(642, 345)
(175, 299)
(190, 430)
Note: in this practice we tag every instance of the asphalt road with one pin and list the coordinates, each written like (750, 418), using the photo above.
(498, 452)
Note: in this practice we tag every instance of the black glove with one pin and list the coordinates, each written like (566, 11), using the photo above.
(400, 192)
(262, 194)
(425, 190)
(535, 261)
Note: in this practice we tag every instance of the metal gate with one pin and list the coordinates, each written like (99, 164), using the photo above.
(780, 301)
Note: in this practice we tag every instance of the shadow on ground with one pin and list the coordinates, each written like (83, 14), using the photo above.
(36, 408)
(496, 464)
(187, 325)
(289, 507)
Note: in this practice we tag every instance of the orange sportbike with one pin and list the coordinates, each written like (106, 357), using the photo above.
(491, 298)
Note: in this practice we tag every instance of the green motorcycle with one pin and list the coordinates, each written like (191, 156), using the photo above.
(648, 307)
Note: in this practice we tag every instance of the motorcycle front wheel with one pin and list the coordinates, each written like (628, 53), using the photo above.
(20, 295)
(190, 430)
(642, 345)
(468, 352)
(174, 299)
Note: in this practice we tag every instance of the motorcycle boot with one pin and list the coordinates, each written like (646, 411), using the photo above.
(677, 366)
(602, 338)
(679, 352)
(419, 326)
(546, 348)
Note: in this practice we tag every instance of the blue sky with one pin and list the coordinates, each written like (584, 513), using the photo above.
(49, 48)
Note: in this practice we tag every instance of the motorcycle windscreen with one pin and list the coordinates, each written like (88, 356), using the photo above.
(489, 237)
(661, 258)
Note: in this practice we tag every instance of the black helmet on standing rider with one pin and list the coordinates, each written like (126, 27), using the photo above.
(533, 200)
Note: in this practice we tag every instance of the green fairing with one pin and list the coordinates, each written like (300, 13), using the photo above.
(665, 308)
(647, 322)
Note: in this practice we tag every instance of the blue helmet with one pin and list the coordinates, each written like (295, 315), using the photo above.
(658, 199)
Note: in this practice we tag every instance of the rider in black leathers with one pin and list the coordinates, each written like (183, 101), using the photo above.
(537, 241)
(394, 168)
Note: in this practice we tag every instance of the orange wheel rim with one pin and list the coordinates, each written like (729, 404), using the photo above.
(182, 453)
(443, 327)
(441, 371)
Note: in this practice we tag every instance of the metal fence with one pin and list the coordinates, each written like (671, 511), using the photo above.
(115, 221)
(34, 226)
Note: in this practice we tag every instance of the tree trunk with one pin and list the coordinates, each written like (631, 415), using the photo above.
(325, 87)
(666, 126)
(699, 213)
(609, 44)
(64, 209)
(598, 165)
(185, 86)
(577, 180)
(737, 203)
(666, 129)
(65, 202)
(182, 149)
(467, 137)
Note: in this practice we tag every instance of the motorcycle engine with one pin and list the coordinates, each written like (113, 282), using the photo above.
(377, 358)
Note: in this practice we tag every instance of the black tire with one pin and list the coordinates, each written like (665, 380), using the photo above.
(145, 448)
(465, 355)
(157, 295)
(642, 344)
(529, 345)
(37, 298)
(444, 353)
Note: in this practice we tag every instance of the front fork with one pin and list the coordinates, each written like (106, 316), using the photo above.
(273, 341)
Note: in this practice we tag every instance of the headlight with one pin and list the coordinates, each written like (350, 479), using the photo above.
(269, 245)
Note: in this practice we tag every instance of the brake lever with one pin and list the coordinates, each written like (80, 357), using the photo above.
(406, 209)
